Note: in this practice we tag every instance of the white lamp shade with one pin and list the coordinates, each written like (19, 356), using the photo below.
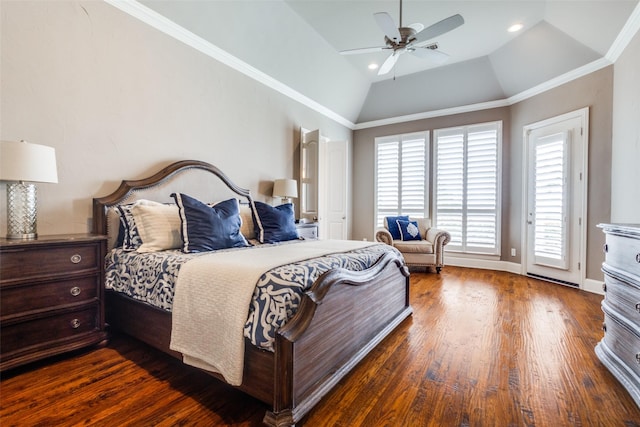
(285, 188)
(23, 161)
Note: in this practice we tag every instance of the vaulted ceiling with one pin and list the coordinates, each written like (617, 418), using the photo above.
(298, 43)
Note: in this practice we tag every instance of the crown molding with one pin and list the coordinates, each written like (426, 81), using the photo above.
(161, 23)
(170, 28)
(536, 90)
(627, 33)
(560, 80)
(432, 114)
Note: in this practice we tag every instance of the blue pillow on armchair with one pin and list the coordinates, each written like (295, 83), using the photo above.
(208, 228)
(392, 225)
(409, 230)
(274, 223)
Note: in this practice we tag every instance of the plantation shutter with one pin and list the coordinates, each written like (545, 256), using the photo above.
(482, 188)
(401, 176)
(387, 179)
(467, 185)
(550, 201)
(450, 184)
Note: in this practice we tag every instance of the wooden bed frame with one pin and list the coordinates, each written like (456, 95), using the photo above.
(341, 318)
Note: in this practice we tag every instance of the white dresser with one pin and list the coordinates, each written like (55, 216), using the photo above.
(619, 349)
(308, 230)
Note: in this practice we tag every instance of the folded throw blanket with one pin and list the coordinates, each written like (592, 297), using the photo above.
(212, 298)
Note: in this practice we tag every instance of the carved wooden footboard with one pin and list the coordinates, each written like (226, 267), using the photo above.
(341, 318)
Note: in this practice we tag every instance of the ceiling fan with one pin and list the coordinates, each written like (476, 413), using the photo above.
(410, 39)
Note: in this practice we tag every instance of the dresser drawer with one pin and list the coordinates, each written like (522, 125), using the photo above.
(21, 264)
(623, 253)
(44, 331)
(622, 340)
(39, 296)
(624, 298)
(307, 231)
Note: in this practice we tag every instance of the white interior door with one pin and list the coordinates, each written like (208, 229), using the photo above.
(324, 183)
(555, 206)
(336, 189)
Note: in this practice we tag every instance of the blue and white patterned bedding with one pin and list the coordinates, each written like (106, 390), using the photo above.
(151, 277)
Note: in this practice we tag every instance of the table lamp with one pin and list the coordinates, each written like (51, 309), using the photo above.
(286, 189)
(22, 164)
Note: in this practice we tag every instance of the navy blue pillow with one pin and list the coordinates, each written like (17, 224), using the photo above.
(408, 230)
(392, 226)
(208, 228)
(274, 223)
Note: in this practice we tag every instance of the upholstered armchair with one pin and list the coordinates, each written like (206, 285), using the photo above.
(421, 247)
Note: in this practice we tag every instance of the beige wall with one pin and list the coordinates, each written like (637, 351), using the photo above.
(625, 176)
(593, 90)
(119, 99)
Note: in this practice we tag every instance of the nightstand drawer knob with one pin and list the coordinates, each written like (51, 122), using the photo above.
(75, 323)
(604, 327)
(605, 248)
(604, 287)
(75, 291)
(76, 258)
(638, 257)
(637, 357)
(638, 307)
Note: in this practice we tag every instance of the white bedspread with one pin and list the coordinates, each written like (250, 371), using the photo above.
(212, 298)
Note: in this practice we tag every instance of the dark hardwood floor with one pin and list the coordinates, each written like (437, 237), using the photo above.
(483, 348)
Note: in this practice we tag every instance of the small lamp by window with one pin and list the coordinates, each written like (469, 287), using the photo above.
(286, 189)
(22, 164)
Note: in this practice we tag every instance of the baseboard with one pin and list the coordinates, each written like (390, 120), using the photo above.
(594, 286)
(589, 285)
(485, 264)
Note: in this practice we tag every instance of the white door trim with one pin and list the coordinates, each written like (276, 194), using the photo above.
(583, 115)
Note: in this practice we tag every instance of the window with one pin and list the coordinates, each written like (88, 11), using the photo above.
(467, 186)
(401, 176)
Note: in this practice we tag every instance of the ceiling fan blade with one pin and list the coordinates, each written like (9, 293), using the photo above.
(432, 55)
(386, 24)
(439, 28)
(363, 50)
(389, 63)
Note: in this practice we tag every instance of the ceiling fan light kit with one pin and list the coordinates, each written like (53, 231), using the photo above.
(410, 39)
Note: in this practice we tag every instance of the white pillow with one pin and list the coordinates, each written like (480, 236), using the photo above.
(246, 227)
(158, 225)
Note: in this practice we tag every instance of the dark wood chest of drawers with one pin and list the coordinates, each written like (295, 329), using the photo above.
(51, 296)
(619, 349)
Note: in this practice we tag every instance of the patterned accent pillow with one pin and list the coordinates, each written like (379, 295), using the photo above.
(121, 229)
(392, 225)
(131, 237)
(409, 230)
(274, 223)
(209, 228)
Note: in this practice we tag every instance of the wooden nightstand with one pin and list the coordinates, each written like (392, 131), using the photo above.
(308, 231)
(51, 296)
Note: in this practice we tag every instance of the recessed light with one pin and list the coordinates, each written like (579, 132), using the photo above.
(515, 27)
(373, 66)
